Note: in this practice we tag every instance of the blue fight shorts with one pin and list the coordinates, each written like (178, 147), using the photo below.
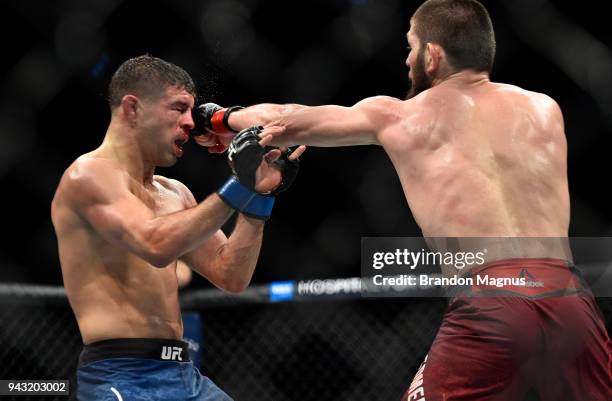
(142, 370)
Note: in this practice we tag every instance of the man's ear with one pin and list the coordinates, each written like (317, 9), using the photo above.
(130, 105)
(434, 55)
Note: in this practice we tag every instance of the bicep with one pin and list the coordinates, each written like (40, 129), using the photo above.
(106, 204)
(121, 219)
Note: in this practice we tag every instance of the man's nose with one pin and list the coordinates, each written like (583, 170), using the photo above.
(188, 122)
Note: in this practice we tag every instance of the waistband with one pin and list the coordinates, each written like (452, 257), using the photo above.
(147, 348)
(525, 277)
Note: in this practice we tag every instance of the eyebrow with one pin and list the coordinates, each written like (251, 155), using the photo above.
(179, 103)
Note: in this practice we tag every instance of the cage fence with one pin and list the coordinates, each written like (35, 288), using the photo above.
(312, 348)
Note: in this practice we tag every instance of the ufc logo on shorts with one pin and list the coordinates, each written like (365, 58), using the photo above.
(171, 353)
(416, 392)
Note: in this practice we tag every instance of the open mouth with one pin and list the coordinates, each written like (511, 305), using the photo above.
(179, 143)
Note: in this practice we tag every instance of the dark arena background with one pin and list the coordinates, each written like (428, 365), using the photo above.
(58, 57)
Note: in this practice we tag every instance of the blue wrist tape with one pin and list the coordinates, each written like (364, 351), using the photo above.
(235, 194)
(245, 200)
(260, 207)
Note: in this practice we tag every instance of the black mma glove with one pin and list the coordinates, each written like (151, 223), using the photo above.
(244, 156)
(289, 170)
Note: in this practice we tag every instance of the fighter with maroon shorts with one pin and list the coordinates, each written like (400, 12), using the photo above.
(476, 159)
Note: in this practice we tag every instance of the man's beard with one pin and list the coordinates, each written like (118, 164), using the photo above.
(420, 80)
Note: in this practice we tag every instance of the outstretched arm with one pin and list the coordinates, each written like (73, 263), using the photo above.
(322, 125)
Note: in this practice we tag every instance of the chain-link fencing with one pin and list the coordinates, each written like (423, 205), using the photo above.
(315, 348)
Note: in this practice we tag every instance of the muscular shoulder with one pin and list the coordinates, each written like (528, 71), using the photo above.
(178, 188)
(88, 174)
(380, 104)
(538, 109)
(546, 104)
(86, 181)
(545, 109)
(381, 111)
(537, 99)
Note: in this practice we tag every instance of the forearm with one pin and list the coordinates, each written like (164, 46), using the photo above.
(229, 263)
(299, 125)
(170, 236)
(261, 114)
(238, 257)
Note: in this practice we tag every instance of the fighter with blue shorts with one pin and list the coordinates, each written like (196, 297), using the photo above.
(142, 369)
(123, 231)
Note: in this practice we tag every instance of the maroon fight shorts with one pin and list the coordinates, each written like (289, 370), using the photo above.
(495, 344)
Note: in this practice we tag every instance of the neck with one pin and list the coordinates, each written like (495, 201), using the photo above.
(122, 144)
(463, 78)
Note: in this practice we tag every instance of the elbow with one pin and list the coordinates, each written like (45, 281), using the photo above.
(160, 248)
(160, 256)
(159, 259)
(236, 275)
(235, 286)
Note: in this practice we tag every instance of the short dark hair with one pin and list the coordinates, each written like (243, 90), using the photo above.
(147, 77)
(462, 27)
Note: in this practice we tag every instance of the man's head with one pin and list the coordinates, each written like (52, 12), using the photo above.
(146, 77)
(154, 99)
(448, 36)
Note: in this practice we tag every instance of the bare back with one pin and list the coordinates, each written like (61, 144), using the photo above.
(114, 293)
(482, 161)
